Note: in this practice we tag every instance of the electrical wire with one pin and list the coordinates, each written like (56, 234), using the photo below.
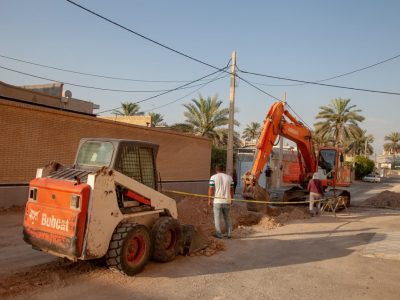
(180, 98)
(90, 74)
(298, 116)
(142, 36)
(257, 88)
(94, 87)
(171, 90)
(336, 76)
(321, 84)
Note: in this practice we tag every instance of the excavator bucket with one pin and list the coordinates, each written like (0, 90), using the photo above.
(192, 240)
(257, 193)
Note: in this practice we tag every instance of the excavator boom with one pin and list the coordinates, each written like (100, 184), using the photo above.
(280, 122)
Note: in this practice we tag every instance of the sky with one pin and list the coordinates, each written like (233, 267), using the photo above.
(304, 39)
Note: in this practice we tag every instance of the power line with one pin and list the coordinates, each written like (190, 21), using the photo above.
(93, 87)
(180, 98)
(162, 45)
(257, 88)
(321, 84)
(90, 74)
(336, 76)
(171, 90)
(142, 36)
(298, 116)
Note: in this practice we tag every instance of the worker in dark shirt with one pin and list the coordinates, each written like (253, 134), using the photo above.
(316, 193)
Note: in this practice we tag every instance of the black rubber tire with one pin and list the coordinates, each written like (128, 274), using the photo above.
(166, 236)
(129, 249)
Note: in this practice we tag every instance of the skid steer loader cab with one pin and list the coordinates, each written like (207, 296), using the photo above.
(105, 205)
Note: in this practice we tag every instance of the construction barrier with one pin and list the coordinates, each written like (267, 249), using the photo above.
(244, 200)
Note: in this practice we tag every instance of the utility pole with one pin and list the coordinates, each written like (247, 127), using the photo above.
(229, 157)
(280, 157)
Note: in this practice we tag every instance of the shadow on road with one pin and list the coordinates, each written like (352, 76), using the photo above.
(271, 253)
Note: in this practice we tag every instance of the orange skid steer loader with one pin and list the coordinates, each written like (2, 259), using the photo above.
(107, 205)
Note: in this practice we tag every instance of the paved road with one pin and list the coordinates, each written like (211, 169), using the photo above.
(362, 190)
(323, 257)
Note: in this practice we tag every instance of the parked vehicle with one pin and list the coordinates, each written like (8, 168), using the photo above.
(371, 178)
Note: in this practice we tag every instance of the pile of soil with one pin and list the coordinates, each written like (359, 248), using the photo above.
(384, 199)
(281, 216)
(195, 211)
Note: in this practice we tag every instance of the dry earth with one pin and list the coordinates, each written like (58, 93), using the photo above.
(385, 199)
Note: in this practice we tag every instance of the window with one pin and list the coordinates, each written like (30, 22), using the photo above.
(327, 160)
(95, 154)
(137, 163)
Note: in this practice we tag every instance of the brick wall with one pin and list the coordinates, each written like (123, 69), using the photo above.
(32, 136)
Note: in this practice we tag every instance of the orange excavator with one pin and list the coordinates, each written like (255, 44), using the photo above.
(327, 163)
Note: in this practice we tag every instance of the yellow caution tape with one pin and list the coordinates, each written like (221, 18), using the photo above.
(241, 200)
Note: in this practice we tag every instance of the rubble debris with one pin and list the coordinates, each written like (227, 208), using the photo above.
(386, 198)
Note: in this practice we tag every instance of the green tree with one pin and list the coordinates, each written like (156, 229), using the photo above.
(156, 119)
(393, 143)
(363, 166)
(361, 144)
(128, 109)
(205, 117)
(340, 121)
(218, 157)
(322, 141)
(222, 138)
(252, 131)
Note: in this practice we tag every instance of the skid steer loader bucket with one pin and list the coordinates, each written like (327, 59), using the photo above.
(192, 240)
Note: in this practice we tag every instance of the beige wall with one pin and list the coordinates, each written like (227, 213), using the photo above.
(32, 136)
(135, 120)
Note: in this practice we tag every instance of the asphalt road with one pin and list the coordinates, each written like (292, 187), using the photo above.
(323, 257)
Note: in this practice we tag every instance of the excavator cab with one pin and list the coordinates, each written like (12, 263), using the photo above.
(331, 169)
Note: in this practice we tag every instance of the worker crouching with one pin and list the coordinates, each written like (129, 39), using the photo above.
(316, 194)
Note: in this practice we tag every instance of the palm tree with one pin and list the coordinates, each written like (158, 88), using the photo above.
(156, 119)
(361, 144)
(128, 109)
(204, 117)
(252, 131)
(341, 121)
(222, 138)
(393, 145)
(322, 141)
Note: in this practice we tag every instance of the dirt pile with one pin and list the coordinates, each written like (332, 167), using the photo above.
(384, 199)
(280, 216)
(195, 211)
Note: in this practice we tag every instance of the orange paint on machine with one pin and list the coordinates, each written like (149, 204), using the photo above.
(55, 215)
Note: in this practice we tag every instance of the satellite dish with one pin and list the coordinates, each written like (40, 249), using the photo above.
(68, 94)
